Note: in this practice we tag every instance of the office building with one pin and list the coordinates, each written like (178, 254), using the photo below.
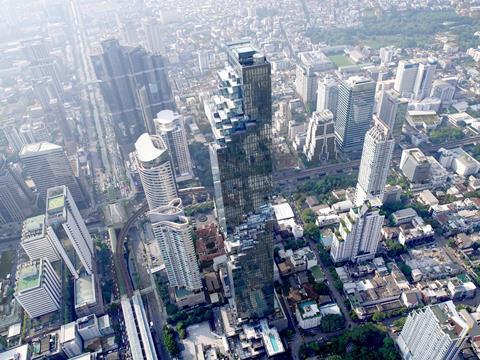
(241, 120)
(173, 232)
(206, 60)
(154, 33)
(445, 91)
(375, 163)
(241, 159)
(415, 165)
(142, 346)
(359, 233)
(250, 265)
(356, 98)
(70, 340)
(327, 95)
(68, 231)
(38, 288)
(311, 63)
(135, 87)
(320, 144)
(16, 200)
(88, 327)
(155, 170)
(435, 332)
(414, 78)
(386, 54)
(424, 80)
(48, 166)
(87, 295)
(392, 110)
(170, 127)
(35, 49)
(36, 241)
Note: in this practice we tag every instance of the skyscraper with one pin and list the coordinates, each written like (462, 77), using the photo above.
(38, 288)
(320, 144)
(327, 95)
(253, 295)
(424, 80)
(375, 163)
(48, 166)
(356, 98)
(392, 110)
(415, 165)
(242, 124)
(414, 78)
(170, 127)
(359, 233)
(16, 200)
(435, 332)
(36, 240)
(154, 33)
(155, 169)
(241, 159)
(135, 87)
(173, 232)
(68, 232)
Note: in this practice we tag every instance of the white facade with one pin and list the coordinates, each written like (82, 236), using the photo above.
(173, 232)
(459, 161)
(375, 163)
(36, 241)
(320, 141)
(67, 229)
(424, 80)
(154, 33)
(170, 127)
(435, 332)
(327, 95)
(155, 169)
(38, 288)
(406, 77)
(392, 110)
(70, 341)
(359, 235)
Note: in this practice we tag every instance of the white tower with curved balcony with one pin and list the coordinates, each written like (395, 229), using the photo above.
(173, 232)
(155, 169)
(169, 125)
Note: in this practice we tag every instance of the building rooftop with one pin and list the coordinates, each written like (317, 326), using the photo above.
(149, 148)
(85, 291)
(29, 275)
(33, 228)
(37, 148)
(55, 202)
(18, 353)
(309, 309)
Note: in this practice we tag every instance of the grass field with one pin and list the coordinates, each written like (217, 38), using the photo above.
(340, 60)
(6, 262)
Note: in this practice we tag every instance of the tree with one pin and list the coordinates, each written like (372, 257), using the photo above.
(378, 316)
(332, 322)
(169, 341)
(308, 216)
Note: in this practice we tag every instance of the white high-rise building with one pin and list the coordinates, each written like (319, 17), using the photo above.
(375, 163)
(170, 127)
(406, 77)
(68, 232)
(435, 332)
(392, 110)
(206, 60)
(320, 144)
(38, 288)
(155, 170)
(154, 32)
(424, 80)
(327, 94)
(36, 240)
(48, 166)
(359, 233)
(414, 78)
(173, 232)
